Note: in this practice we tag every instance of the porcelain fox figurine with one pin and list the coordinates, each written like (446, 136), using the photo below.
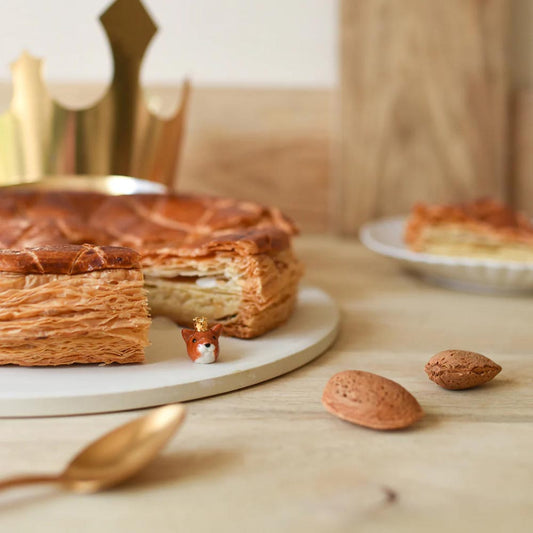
(202, 341)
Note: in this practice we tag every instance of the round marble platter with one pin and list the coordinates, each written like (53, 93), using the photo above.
(168, 375)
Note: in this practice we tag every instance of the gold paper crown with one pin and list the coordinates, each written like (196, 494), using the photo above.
(117, 135)
(200, 323)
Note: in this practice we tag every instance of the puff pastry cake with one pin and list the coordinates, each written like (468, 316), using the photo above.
(227, 260)
(72, 304)
(481, 229)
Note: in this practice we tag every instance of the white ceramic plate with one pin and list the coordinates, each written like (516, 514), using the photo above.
(385, 237)
(168, 375)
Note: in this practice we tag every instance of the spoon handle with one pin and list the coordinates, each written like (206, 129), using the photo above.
(27, 480)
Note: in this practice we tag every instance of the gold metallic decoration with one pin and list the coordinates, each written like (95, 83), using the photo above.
(111, 185)
(200, 323)
(118, 135)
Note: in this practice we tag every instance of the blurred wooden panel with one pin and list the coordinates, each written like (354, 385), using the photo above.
(423, 111)
(521, 61)
(269, 145)
(521, 43)
(522, 150)
(262, 144)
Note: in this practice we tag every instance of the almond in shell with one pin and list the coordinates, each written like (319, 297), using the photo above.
(370, 400)
(459, 369)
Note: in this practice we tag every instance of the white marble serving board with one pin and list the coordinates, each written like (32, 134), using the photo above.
(168, 375)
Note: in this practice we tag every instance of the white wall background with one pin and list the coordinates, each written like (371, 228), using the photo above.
(215, 42)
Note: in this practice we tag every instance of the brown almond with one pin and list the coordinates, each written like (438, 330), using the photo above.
(370, 400)
(459, 369)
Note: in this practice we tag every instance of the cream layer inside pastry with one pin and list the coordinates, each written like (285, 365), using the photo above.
(455, 240)
(58, 319)
(247, 294)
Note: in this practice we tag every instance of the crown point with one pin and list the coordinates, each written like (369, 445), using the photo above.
(200, 323)
(28, 57)
(128, 26)
(26, 60)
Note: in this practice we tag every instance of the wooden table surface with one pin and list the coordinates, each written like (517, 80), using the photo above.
(270, 458)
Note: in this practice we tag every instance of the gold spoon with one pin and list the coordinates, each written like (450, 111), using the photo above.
(116, 456)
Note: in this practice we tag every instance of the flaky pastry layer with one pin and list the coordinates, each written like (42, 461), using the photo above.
(249, 295)
(57, 319)
(67, 259)
(483, 229)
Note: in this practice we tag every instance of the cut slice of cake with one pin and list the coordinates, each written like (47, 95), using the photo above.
(72, 304)
(484, 229)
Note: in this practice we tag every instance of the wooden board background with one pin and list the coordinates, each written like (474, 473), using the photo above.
(522, 150)
(521, 44)
(521, 66)
(268, 145)
(423, 105)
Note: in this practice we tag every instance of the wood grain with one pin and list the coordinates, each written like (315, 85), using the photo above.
(521, 62)
(267, 145)
(270, 458)
(522, 150)
(423, 111)
(521, 44)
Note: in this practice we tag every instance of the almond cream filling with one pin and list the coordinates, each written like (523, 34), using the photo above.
(184, 289)
(455, 241)
(248, 294)
(215, 298)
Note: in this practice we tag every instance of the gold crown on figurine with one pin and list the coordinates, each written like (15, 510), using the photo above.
(200, 323)
(118, 135)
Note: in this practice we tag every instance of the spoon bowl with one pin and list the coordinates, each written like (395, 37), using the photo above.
(116, 456)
